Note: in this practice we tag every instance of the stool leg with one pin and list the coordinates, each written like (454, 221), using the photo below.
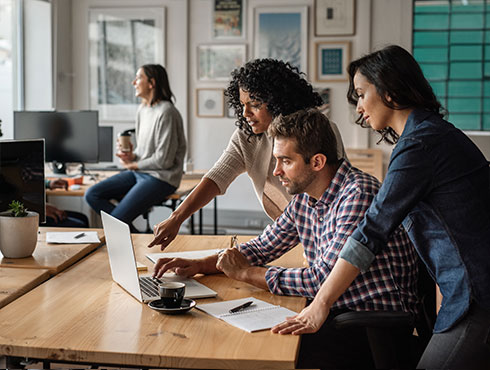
(215, 215)
(191, 223)
(200, 221)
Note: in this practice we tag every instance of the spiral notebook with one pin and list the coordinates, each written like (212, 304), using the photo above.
(258, 316)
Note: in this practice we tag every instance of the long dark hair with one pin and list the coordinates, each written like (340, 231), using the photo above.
(158, 74)
(274, 82)
(395, 73)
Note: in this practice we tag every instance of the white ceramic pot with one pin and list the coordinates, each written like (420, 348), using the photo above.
(18, 235)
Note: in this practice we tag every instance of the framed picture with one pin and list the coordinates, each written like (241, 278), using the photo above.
(210, 102)
(334, 17)
(120, 41)
(281, 33)
(325, 95)
(229, 19)
(216, 62)
(331, 60)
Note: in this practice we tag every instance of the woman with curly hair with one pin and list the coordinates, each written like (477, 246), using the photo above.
(259, 91)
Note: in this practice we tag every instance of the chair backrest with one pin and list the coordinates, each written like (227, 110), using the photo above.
(367, 160)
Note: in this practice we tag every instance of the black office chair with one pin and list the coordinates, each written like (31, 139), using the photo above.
(390, 334)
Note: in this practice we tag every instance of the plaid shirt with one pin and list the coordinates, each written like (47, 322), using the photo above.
(322, 226)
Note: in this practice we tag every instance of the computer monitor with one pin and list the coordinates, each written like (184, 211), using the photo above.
(106, 142)
(70, 136)
(22, 175)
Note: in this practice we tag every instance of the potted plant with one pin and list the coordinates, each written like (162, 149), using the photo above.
(18, 231)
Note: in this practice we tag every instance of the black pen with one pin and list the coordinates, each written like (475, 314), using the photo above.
(241, 307)
(79, 235)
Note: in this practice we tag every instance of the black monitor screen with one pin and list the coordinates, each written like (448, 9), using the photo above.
(70, 136)
(22, 175)
(105, 144)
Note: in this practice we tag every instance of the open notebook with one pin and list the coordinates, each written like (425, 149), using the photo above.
(259, 316)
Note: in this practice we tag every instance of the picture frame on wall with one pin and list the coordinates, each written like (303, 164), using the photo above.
(282, 33)
(229, 19)
(120, 41)
(334, 17)
(216, 62)
(210, 103)
(331, 61)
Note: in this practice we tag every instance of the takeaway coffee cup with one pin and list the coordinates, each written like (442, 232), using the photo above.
(171, 293)
(125, 141)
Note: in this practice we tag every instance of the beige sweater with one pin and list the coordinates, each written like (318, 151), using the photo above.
(160, 142)
(255, 157)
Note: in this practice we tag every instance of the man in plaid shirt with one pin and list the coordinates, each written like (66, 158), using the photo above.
(330, 200)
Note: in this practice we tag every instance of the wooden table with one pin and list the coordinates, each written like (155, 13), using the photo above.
(14, 282)
(53, 257)
(83, 316)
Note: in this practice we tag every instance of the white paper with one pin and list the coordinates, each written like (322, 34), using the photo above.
(153, 257)
(259, 316)
(68, 237)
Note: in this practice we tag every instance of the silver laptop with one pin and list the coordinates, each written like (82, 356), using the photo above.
(123, 266)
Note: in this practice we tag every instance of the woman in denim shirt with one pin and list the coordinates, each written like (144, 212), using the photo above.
(438, 186)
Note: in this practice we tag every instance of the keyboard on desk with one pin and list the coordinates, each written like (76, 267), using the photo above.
(149, 286)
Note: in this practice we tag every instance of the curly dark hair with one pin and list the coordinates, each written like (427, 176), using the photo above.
(395, 73)
(274, 82)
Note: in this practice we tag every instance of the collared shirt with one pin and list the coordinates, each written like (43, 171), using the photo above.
(322, 227)
(438, 185)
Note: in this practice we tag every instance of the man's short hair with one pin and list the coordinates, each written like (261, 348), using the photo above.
(312, 131)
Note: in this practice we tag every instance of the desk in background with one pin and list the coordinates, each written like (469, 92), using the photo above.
(188, 183)
(83, 316)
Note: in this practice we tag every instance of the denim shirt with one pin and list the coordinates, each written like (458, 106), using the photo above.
(438, 186)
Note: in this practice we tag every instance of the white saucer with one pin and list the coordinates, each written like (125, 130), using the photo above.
(185, 306)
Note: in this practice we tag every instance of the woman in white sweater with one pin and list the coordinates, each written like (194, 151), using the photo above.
(155, 166)
(259, 91)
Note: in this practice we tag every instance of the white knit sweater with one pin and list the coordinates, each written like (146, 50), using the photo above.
(254, 156)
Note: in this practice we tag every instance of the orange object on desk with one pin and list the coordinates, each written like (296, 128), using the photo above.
(70, 180)
(74, 180)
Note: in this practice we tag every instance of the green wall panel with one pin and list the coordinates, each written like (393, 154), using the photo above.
(465, 121)
(466, 21)
(464, 88)
(463, 105)
(430, 38)
(431, 22)
(430, 54)
(465, 70)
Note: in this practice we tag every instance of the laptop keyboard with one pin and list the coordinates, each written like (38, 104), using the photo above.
(149, 285)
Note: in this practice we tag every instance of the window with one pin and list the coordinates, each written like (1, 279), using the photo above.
(6, 71)
(451, 42)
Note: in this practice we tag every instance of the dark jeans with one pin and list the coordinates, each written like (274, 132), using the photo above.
(465, 346)
(332, 348)
(73, 219)
(135, 191)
